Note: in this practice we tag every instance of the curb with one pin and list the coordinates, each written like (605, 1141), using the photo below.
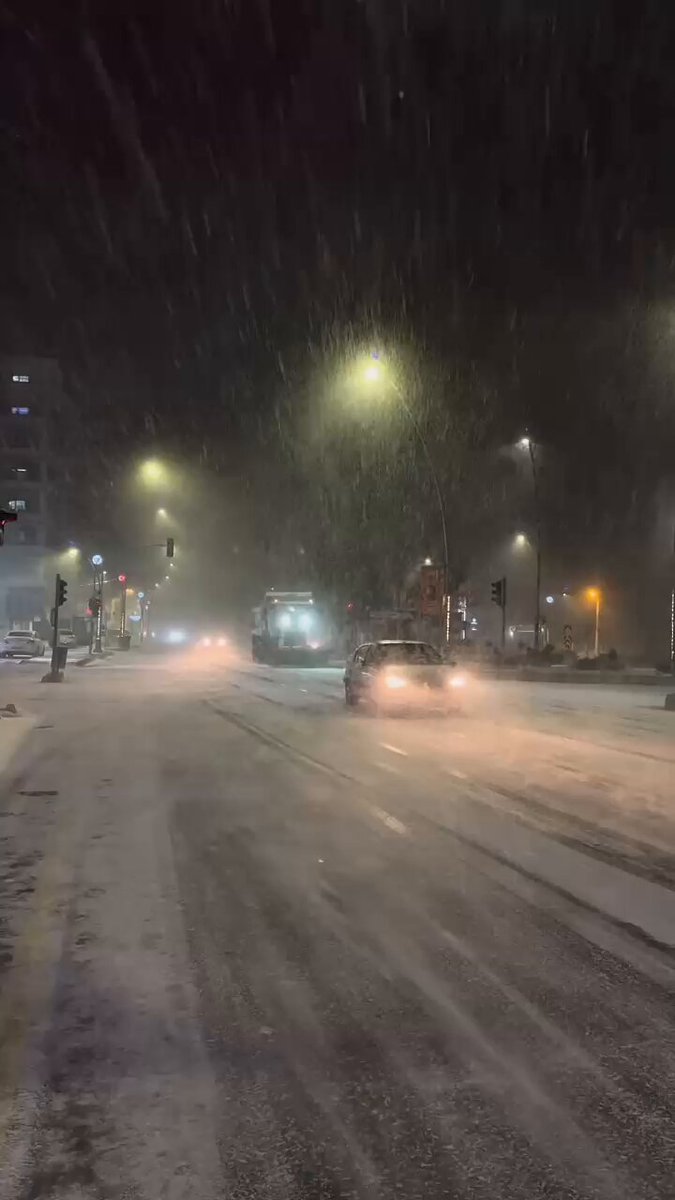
(585, 678)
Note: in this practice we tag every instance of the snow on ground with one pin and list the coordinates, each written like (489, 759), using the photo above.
(255, 945)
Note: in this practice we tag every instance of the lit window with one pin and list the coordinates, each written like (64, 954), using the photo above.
(17, 505)
(20, 412)
(20, 378)
(20, 470)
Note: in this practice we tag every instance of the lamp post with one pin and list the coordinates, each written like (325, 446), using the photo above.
(594, 594)
(526, 443)
(97, 563)
(375, 372)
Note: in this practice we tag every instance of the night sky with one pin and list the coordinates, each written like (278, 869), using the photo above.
(200, 200)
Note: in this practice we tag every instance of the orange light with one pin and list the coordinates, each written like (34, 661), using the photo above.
(593, 593)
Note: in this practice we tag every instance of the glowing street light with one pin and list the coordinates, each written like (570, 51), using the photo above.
(595, 596)
(97, 560)
(373, 372)
(152, 472)
(520, 540)
(73, 553)
(162, 514)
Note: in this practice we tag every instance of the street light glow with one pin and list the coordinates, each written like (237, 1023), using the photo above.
(520, 539)
(524, 443)
(427, 562)
(152, 472)
(161, 513)
(593, 594)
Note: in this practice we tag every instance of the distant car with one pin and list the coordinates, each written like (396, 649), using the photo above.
(213, 641)
(67, 638)
(22, 643)
(395, 676)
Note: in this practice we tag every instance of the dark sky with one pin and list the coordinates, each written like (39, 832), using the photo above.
(197, 195)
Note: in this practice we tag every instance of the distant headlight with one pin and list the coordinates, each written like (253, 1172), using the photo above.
(314, 645)
(175, 636)
(222, 641)
(206, 641)
(457, 681)
(395, 681)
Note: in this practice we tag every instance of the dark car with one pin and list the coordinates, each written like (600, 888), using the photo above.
(402, 675)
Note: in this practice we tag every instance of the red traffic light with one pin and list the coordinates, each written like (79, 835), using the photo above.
(122, 578)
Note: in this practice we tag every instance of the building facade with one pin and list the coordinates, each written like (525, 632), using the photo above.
(33, 484)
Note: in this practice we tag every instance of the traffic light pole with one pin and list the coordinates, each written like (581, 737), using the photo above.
(498, 589)
(55, 629)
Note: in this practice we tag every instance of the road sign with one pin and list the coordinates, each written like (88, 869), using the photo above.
(568, 637)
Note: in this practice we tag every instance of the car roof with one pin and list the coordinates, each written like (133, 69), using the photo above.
(21, 633)
(401, 642)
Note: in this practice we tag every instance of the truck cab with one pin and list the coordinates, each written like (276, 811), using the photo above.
(289, 627)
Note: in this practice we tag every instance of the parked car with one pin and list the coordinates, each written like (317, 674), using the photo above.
(397, 676)
(22, 643)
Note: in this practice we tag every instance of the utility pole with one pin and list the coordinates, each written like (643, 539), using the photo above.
(123, 605)
(97, 563)
(672, 631)
(537, 517)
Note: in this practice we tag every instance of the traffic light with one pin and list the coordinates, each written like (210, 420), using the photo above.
(122, 578)
(499, 592)
(62, 591)
(169, 547)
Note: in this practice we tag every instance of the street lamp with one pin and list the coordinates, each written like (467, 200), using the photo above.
(162, 514)
(525, 443)
(152, 472)
(520, 540)
(372, 370)
(595, 595)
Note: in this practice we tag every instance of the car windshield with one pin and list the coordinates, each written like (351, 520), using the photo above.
(20, 633)
(407, 652)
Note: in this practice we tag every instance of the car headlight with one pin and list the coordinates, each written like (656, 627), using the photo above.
(206, 641)
(395, 681)
(457, 681)
(175, 636)
(222, 641)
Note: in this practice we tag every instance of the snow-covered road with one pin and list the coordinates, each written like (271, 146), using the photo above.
(253, 944)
